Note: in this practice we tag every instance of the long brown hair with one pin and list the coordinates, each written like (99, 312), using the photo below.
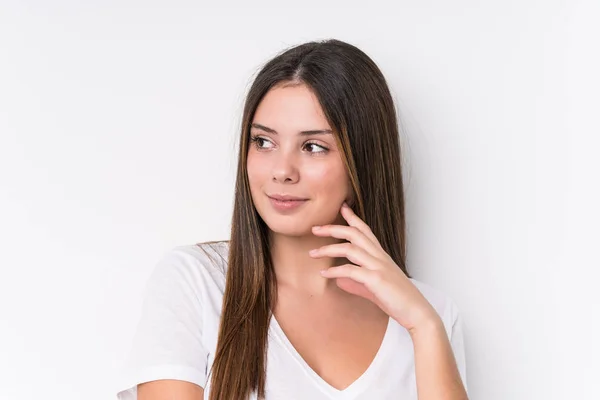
(357, 103)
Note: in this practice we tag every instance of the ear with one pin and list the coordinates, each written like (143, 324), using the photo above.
(350, 200)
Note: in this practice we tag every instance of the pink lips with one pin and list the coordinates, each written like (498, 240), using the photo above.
(285, 202)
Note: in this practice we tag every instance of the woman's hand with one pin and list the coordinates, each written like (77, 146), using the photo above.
(374, 275)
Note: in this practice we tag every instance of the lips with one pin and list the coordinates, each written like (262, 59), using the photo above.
(286, 203)
(284, 197)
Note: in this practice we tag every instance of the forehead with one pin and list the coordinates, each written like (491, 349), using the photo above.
(291, 108)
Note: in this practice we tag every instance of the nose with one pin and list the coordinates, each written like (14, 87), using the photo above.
(285, 169)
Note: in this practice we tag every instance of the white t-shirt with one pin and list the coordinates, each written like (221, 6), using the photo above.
(177, 335)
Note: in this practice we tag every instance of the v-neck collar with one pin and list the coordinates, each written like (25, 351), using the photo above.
(356, 387)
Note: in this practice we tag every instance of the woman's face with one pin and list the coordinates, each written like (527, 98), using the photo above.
(293, 153)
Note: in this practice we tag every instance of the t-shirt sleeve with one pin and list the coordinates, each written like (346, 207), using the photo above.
(457, 342)
(168, 341)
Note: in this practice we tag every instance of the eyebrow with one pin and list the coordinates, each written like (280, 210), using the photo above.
(303, 133)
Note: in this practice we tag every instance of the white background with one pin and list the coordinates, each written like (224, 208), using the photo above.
(119, 120)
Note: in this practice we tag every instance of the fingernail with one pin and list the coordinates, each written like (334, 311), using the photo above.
(313, 252)
(316, 227)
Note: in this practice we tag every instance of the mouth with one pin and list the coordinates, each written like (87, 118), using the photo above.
(286, 203)
(285, 197)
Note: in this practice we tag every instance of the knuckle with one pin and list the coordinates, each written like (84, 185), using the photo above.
(347, 268)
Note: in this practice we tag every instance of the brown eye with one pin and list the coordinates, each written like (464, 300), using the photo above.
(316, 147)
(258, 141)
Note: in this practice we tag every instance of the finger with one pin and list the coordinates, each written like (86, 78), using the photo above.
(355, 221)
(358, 289)
(348, 250)
(351, 271)
(354, 272)
(351, 234)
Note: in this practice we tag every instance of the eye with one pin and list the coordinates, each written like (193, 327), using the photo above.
(258, 141)
(318, 146)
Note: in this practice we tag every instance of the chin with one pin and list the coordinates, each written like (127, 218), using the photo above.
(295, 226)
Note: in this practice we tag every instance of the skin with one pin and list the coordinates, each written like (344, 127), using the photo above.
(310, 167)
(337, 287)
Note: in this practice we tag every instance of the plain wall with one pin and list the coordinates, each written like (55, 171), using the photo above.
(119, 122)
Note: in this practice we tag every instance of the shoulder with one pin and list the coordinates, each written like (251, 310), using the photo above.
(441, 302)
(179, 319)
(193, 266)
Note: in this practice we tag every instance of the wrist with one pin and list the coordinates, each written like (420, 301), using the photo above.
(427, 325)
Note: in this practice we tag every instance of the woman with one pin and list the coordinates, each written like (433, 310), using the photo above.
(310, 298)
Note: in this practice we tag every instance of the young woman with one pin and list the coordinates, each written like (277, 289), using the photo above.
(310, 298)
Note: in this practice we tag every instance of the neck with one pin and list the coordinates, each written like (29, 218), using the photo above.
(295, 269)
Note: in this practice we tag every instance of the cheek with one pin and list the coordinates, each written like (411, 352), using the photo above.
(255, 171)
(331, 180)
